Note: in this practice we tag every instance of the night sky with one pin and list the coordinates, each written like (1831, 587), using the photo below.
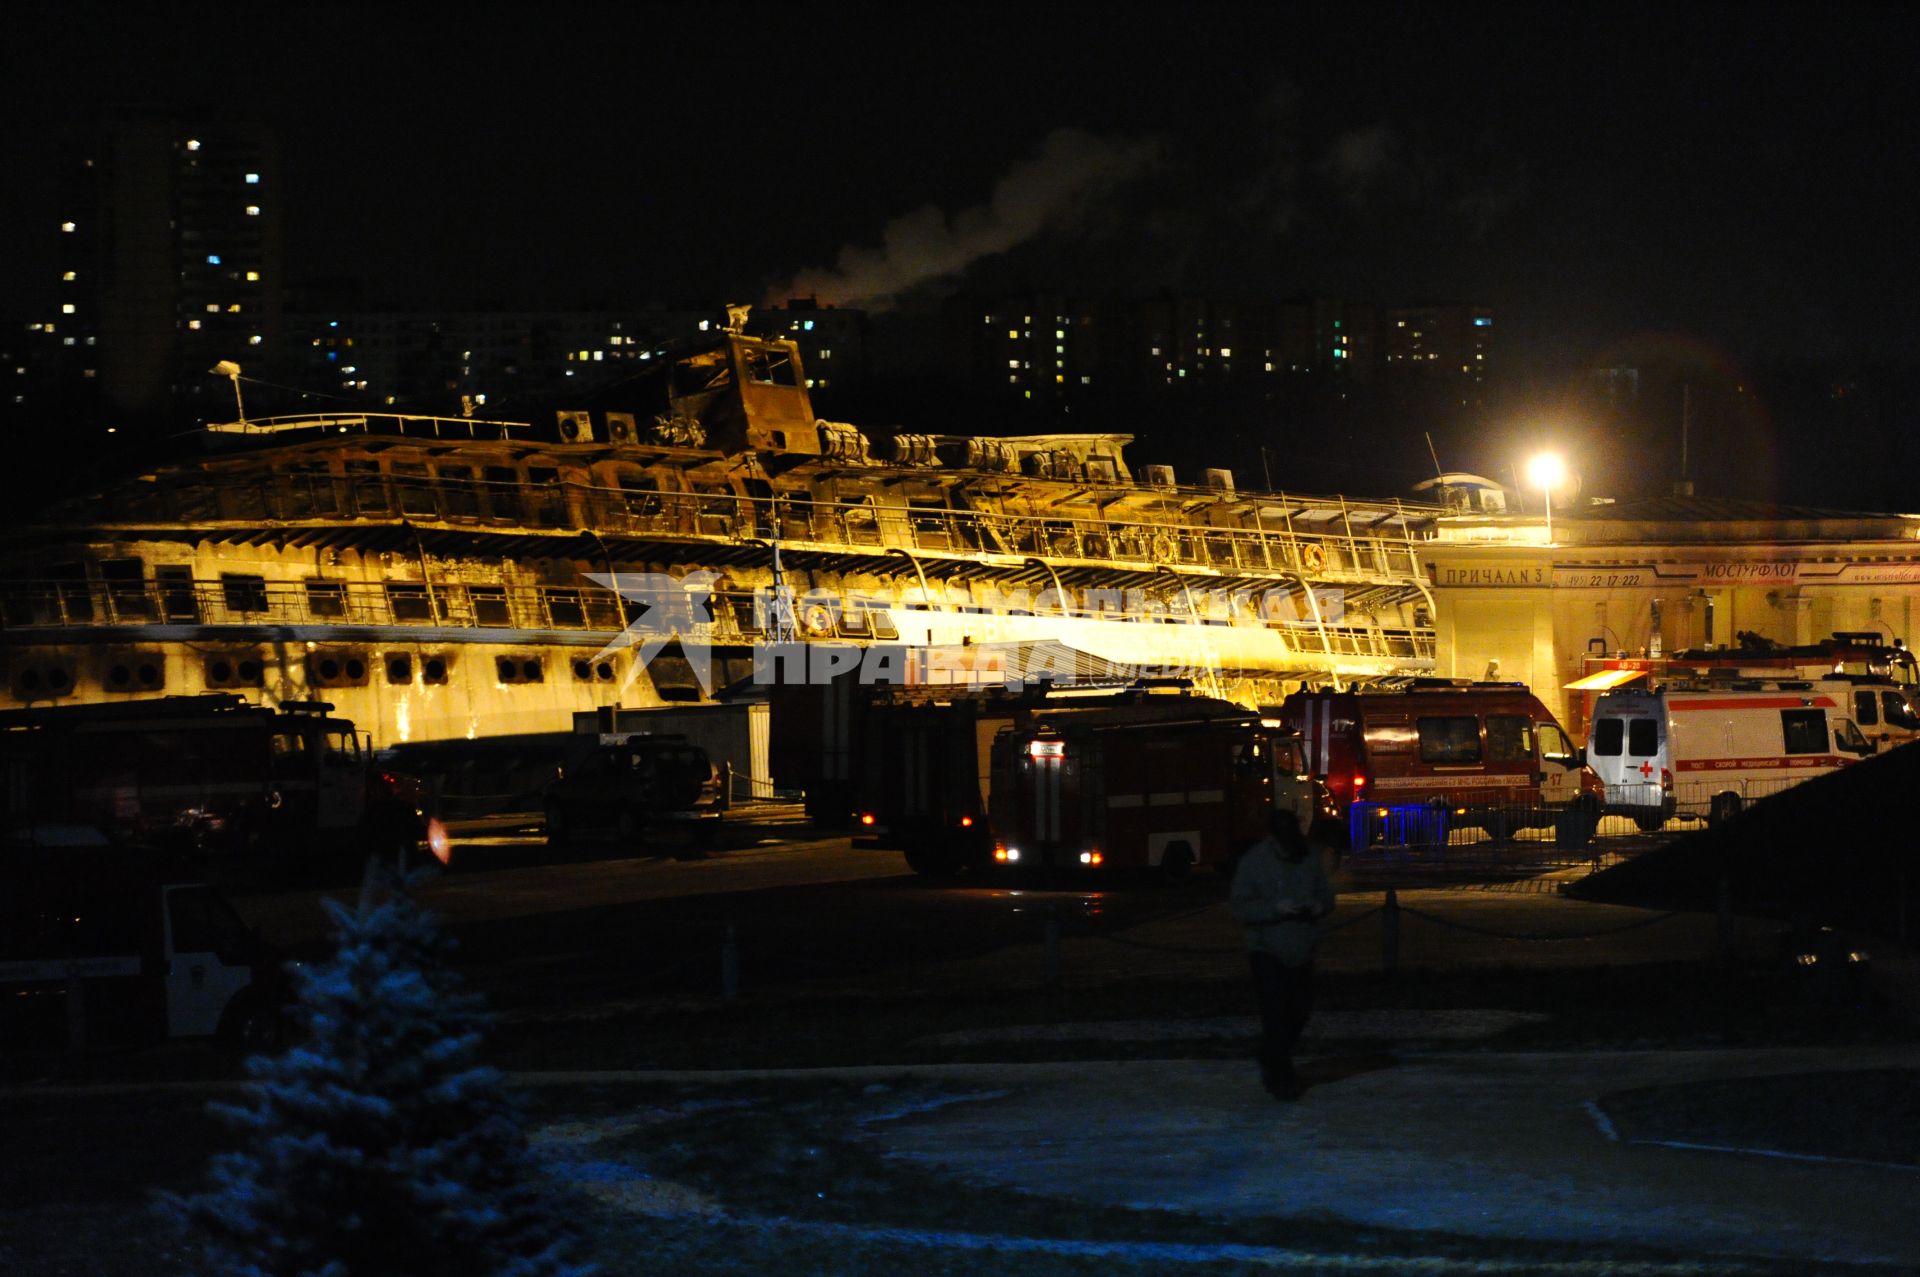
(1735, 180)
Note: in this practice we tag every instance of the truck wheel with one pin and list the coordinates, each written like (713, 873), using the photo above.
(1176, 863)
(1650, 824)
(935, 862)
(1497, 828)
(1724, 808)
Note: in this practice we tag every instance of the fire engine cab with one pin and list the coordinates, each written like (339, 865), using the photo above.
(1485, 754)
(1119, 789)
(1708, 750)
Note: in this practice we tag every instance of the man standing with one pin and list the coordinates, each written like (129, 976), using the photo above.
(1281, 891)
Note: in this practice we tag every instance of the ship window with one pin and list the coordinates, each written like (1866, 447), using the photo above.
(490, 605)
(433, 670)
(75, 594)
(563, 608)
(327, 599)
(409, 602)
(456, 490)
(126, 587)
(244, 593)
(771, 366)
(367, 490)
(1804, 730)
(1453, 739)
(416, 492)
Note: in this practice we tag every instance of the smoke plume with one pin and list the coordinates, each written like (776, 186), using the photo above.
(1072, 168)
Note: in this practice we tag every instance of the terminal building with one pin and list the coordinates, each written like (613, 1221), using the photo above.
(1615, 586)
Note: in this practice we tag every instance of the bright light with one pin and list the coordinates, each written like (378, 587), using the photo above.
(1546, 470)
(437, 841)
(1047, 749)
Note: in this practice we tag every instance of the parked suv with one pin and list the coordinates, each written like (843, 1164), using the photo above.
(627, 787)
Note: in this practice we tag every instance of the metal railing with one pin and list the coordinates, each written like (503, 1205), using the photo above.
(1334, 551)
(731, 615)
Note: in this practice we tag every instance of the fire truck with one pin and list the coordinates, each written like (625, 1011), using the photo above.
(1137, 787)
(1449, 752)
(1709, 749)
(211, 774)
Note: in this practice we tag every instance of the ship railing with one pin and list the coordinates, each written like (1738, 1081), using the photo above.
(730, 615)
(1323, 540)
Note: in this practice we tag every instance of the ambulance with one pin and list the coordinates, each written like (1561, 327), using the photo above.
(1456, 752)
(1710, 750)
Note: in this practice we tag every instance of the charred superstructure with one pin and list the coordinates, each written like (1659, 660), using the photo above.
(437, 577)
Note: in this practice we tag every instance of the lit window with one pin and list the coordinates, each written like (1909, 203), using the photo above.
(1013, 334)
(1059, 334)
(253, 210)
(807, 325)
(705, 324)
(1059, 379)
(68, 227)
(1014, 378)
(66, 341)
(234, 309)
(1086, 381)
(1155, 351)
(192, 145)
(615, 341)
(253, 276)
(255, 340)
(67, 308)
(253, 179)
(1013, 363)
(69, 277)
(194, 324)
(585, 355)
(213, 259)
(1226, 352)
(599, 355)
(213, 308)
(826, 354)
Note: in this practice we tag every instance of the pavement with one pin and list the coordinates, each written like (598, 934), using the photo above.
(1417, 1129)
(1405, 1124)
(1491, 1145)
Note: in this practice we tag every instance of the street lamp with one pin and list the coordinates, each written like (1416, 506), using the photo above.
(227, 368)
(1546, 471)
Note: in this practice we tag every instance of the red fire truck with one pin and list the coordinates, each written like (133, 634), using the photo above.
(1136, 787)
(211, 774)
(1485, 754)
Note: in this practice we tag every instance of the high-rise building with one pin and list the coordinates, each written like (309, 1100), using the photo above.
(169, 261)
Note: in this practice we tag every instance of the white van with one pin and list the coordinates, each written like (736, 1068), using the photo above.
(1708, 751)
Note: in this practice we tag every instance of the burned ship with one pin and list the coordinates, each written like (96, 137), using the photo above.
(439, 578)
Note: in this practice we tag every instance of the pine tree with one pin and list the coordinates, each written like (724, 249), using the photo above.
(378, 1146)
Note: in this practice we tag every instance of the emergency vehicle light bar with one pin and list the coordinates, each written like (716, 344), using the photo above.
(1047, 749)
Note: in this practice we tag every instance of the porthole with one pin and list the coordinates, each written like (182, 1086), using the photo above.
(119, 676)
(400, 669)
(434, 670)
